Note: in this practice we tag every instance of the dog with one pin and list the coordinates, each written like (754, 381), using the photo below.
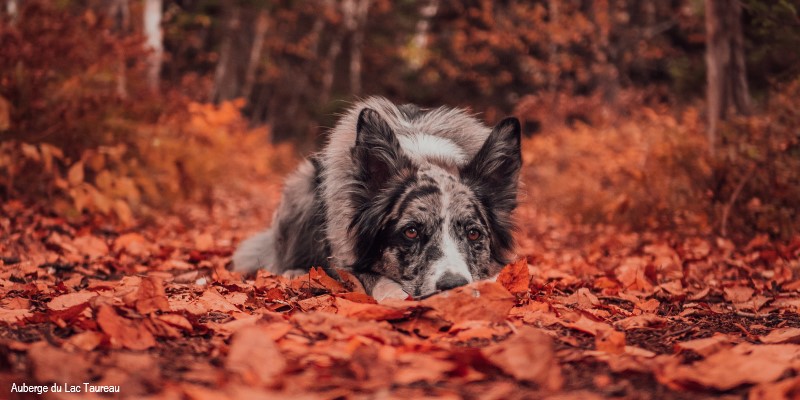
(411, 201)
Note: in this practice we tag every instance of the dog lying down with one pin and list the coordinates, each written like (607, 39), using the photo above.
(411, 201)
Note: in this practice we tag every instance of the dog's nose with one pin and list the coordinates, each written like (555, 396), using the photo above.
(449, 281)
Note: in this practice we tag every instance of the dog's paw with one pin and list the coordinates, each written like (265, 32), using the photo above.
(294, 273)
(387, 289)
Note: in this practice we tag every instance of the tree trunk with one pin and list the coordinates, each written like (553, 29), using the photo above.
(327, 64)
(152, 30)
(120, 13)
(240, 51)
(726, 75)
(261, 25)
(356, 12)
(224, 82)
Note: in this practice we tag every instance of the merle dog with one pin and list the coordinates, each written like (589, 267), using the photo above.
(415, 199)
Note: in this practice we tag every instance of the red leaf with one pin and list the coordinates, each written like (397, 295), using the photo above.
(254, 356)
(151, 297)
(515, 277)
(123, 332)
(488, 301)
(528, 356)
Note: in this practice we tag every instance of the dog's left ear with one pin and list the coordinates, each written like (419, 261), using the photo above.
(494, 171)
(377, 152)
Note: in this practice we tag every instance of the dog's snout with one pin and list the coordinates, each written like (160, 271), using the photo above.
(450, 280)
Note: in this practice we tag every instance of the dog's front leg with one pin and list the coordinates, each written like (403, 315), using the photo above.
(381, 287)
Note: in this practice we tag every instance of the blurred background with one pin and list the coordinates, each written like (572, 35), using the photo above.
(678, 114)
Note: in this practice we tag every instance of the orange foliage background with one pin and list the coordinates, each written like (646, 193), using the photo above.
(610, 95)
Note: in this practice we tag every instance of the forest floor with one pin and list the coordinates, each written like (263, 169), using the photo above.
(588, 312)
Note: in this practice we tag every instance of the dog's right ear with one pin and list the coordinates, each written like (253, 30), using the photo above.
(377, 152)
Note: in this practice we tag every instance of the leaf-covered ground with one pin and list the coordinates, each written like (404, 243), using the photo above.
(586, 313)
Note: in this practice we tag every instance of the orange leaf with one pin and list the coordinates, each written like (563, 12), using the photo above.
(254, 356)
(51, 364)
(528, 356)
(70, 300)
(610, 341)
(318, 274)
(515, 277)
(782, 335)
(75, 174)
(488, 301)
(151, 297)
(368, 312)
(123, 332)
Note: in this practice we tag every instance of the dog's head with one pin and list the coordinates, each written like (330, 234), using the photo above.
(427, 226)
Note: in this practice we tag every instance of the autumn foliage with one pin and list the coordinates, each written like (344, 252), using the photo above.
(155, 312)
(647, 268)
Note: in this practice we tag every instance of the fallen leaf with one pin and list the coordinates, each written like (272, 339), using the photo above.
(75, 174)
(204, 242)
(786, 389)
(782, 335)
(528, 356)
(316, 279)
(515, 277)
(213, 301)
(357, 297)
(15, 303)
(318, 275)
(583, 298)
(337, 327)
(631, 274)
(351, 282)
(641, 321)
(707, 346)
(324, 303)
(137, 373)
(649, 306)
(484, 300)
(91, 246)
(177, 321)
(132, 243)
(14, 316)
(726, 369)
(70, 300)
(738, 294)
(254, 356)
(51, 364)
(420, 367)
(587, 325)
(639, 352)
(610, 341)
(754, 303)
(696, 249)
(469, 330)
(86, 341)
(123, 332)
(186, 304)
(368, 312)
(151, 296)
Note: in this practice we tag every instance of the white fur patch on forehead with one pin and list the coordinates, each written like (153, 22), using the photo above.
(432, 148)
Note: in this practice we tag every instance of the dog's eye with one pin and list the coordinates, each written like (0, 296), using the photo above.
(411, 233)
(473, 234)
